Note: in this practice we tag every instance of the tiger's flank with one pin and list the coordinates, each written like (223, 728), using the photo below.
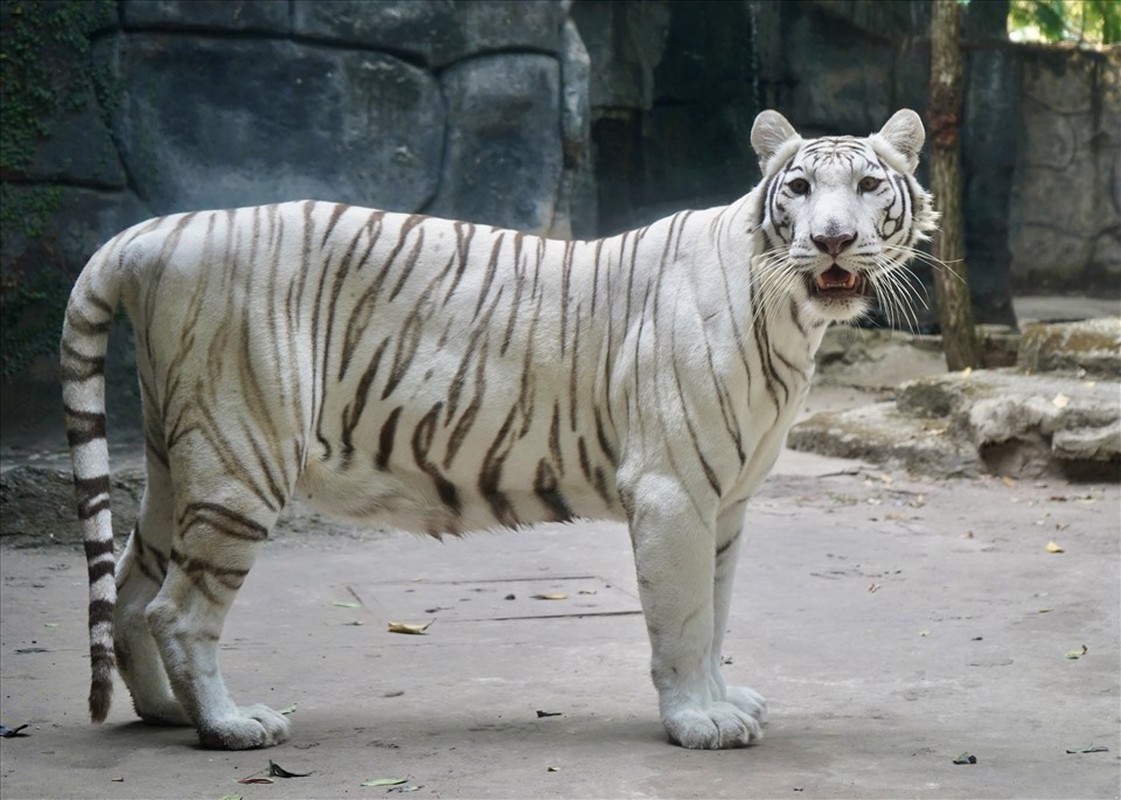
(445, 377)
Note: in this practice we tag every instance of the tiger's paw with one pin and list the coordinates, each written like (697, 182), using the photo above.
(254, 726)
(748, 701)
(716, 726)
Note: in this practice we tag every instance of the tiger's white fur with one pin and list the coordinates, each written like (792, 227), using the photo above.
(444, 377)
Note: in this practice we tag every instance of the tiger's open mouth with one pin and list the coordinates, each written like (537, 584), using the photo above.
(837, 283)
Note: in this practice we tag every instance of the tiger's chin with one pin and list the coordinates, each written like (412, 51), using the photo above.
(838, 295)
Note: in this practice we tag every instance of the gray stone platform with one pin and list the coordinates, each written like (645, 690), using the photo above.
(1065, 421)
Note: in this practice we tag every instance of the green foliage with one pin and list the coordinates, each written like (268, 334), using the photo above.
(33, 291)
(32, 305)
(1082, 21)
(45, 67)
(46, 73)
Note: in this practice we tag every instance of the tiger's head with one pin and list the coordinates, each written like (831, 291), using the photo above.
(842, 215)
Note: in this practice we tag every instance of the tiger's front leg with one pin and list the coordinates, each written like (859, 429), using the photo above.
(674, 558)
(729, 537)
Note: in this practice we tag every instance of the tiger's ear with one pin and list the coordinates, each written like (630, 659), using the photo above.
(905, 133)
(769, 133)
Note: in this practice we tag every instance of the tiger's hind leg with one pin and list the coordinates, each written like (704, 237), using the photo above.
(217, 536)
(140, 573)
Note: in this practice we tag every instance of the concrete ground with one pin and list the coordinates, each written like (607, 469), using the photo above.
(894, 624)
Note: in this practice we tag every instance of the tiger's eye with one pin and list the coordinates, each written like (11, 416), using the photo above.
(799, 186)
(869, 184)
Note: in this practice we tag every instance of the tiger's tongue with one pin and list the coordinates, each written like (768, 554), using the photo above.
(835, 278)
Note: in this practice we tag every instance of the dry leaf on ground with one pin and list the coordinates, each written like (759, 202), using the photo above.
(277, 771)
(407, 627)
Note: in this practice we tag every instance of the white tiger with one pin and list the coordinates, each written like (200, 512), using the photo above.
(444, 377)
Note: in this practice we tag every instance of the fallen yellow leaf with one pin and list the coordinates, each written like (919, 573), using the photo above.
(551, 596)
(406, 627)
(1053, 548)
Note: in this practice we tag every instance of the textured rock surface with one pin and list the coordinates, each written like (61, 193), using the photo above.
(187, 104)
(213, 123)
(244, 16)
(676, 85)
(118, 110)
(875, 359)
(1066, 201)
(1092, 346)
(439, 32)
(503, 128)
(1001, 421)
(141, 107)
(880, 434)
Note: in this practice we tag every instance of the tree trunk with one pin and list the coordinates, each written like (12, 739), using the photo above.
(951, 281)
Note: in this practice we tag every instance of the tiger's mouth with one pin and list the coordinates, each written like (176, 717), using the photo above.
(837, 283)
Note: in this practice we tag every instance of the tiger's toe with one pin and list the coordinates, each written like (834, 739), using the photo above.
(254, 726)
(747, 700)
(718, 726)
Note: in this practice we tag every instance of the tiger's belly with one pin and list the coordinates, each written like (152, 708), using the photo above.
(415, 502)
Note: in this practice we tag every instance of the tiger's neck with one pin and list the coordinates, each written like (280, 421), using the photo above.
(690, 329)
(775, 315)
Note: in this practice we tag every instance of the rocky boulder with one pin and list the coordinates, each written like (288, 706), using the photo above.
(115, 111)
(1090, 347)
(218, 123)
(1003, 421)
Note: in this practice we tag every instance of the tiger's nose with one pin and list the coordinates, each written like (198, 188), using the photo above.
(833, 245)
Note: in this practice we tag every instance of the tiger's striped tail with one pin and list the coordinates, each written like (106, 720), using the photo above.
(85, 337)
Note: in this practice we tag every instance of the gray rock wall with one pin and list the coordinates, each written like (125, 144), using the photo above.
(118, 110)
(677, 83)
(568, 118)
(1065, 209)
(469, 109)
